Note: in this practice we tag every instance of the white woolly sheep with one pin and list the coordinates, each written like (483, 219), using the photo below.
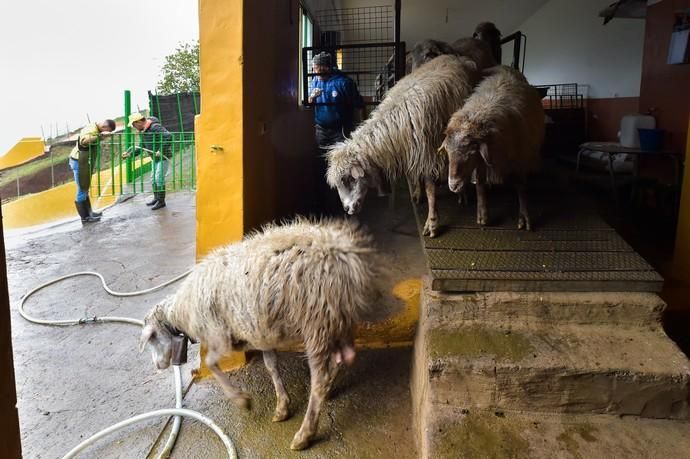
(403, 133)
(305, 282)
(496, 135)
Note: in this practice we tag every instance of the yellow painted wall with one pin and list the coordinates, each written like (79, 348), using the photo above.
(25, 150)
(681, 256)
(50, 205)
(219, 197)
(676, 291)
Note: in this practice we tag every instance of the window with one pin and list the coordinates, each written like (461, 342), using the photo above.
(306, 36)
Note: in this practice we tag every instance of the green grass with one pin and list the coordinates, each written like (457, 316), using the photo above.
(59, 156)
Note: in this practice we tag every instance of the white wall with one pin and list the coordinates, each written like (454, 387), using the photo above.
(448, 20)
(568, 43)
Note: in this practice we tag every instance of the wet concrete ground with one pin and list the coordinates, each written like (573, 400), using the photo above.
(74, 381)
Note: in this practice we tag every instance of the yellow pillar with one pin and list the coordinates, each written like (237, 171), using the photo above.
(677, 282)
(219, 136)
(681, 255)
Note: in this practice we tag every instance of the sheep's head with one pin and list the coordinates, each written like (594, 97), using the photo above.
(158, 337)
(466, 154)
(426, 50)
(350, 178)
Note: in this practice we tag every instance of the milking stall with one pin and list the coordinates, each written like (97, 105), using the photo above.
(491, 261)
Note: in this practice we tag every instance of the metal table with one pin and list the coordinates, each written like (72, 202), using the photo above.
(612, 148)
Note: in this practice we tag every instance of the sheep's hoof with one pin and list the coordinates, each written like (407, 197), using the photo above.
(482, 221)
(281, 414)
(242, 400)
(430, 228)
(299, 442)
(524, 223)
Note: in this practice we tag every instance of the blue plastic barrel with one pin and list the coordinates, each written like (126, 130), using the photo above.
(651, 139)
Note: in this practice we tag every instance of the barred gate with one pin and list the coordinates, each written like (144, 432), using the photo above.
(114, 175)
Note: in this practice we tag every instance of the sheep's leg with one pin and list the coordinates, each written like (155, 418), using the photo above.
(463, 198)
(318, 367)
(482, 211)
(282, 399)
(415, 182)
(523, 216)
(431, 225)
(239, 398)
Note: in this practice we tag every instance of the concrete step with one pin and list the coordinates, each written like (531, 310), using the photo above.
(570, 368)
(458, 433)
(612, 308)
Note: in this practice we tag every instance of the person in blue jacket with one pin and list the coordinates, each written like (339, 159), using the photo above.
(337, 108)
(336, 101)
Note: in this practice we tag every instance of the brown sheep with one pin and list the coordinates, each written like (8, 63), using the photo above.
(497, 134)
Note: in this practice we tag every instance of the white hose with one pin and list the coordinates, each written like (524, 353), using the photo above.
(153, 414)
(178, 411)
(94, 319)
(170, 444)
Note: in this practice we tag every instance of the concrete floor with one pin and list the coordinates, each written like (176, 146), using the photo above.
(74, 381)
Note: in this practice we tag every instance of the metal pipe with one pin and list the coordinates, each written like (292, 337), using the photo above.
(179, 112)
(129, 172)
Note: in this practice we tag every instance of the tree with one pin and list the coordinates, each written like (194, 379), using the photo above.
(180, 73)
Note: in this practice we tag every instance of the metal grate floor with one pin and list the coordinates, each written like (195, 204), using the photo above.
(569, 249)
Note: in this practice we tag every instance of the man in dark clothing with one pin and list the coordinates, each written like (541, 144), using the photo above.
(337, 105)
(156, 141)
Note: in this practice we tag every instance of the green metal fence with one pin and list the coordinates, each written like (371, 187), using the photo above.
(122, 163)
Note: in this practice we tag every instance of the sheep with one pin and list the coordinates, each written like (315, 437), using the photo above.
(403, 133)
(306, 282)
(425, 50)
(497, 134)
(472, 48)
(489, 33)
(477, 50)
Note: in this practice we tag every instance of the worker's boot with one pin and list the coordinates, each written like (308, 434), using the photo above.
(161, 201)
(153, 201)
(83, 211)
(91, 212)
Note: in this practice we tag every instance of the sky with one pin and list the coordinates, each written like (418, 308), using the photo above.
(63, 60)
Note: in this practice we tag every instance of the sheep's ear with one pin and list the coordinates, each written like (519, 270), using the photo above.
(357, 172)
(442, 149)
(146, 335)
(484, 151)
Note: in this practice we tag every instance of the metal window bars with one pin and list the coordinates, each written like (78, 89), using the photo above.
(370, 65)
(365, 44)
(562, 96)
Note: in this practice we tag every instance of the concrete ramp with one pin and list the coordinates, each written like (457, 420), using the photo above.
(25, 150)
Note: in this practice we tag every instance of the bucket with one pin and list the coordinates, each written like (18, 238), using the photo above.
(651, 139)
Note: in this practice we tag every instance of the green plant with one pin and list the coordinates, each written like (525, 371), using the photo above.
(180, 73)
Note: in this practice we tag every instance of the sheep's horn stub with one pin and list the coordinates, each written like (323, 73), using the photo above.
(484, 151)
(145, 337)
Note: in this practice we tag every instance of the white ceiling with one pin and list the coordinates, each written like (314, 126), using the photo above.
(449, 20)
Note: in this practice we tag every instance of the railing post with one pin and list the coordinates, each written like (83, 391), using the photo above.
(129, 168)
